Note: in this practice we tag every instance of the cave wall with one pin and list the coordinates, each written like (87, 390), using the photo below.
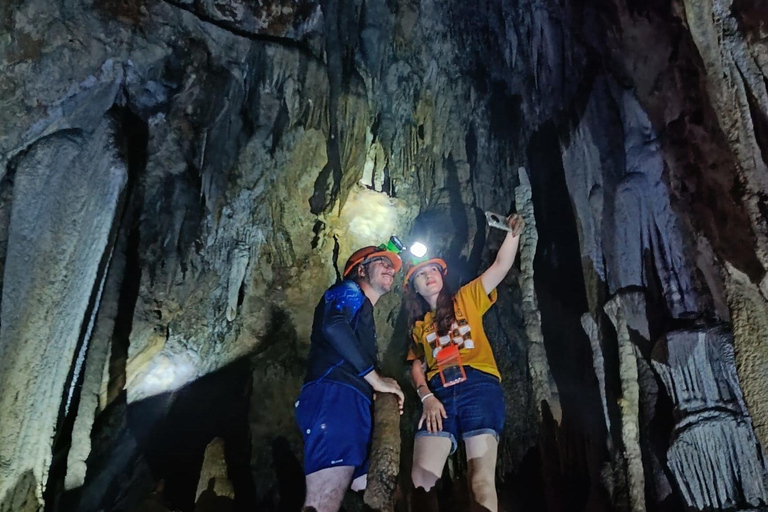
(181, 181)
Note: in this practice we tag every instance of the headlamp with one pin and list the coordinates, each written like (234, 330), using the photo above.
(393, 245)
(418, 250)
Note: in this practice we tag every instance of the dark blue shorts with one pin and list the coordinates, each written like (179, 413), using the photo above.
(335, 422)
(474, 407)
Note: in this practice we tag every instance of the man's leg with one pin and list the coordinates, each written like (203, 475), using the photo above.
(360, 483)
(481, 464)
(326, 488)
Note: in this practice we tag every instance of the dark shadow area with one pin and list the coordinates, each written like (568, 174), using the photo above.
(210, 502)
(173, 430)
(562, 301)
(290, 476)
(278, 368)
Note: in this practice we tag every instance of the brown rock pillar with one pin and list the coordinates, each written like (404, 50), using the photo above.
(385, 455)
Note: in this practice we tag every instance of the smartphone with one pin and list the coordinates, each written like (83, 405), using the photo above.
(497, 221)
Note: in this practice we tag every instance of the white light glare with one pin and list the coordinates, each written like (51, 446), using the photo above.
(418, 249)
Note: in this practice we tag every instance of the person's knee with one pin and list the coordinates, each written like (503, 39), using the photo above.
(360, 483)
(423, 478)
(483, 489)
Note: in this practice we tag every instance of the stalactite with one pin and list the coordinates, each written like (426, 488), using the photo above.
(733, 77)
(538, 365)
(95, 363)
(238, 263)
(65, 197)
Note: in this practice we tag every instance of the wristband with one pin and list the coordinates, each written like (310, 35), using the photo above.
(426, 396)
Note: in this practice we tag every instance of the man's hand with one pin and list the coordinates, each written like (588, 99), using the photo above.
(516, 223)
(433, 413)
(386, 385)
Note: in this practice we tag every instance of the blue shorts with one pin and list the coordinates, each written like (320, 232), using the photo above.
(474, 407)
(335, 422)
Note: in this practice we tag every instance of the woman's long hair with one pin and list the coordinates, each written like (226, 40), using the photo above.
(417, 307)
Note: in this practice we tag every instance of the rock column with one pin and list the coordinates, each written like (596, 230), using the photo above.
(714, 455)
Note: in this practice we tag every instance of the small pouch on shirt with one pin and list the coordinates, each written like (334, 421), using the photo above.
(450, 367)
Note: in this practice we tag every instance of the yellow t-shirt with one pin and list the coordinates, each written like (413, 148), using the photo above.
(469, 306)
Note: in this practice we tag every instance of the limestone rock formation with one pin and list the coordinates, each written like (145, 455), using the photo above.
(67, 193)
(385, 455)
(214, 468)
(214, 490)
(715, 457)
(180, 180)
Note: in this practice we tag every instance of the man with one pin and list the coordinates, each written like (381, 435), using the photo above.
(334, 408)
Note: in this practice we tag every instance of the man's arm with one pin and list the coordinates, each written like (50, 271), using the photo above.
(338, 331)
(340, 307)
(386, 385)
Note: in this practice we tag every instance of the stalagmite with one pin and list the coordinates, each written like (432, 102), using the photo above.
(593, 332)
(630, 405)
(214, 489)
(385, 455)
(537, 355)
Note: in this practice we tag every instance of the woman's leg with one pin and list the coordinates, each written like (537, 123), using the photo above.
(429, 456)
(481, 464)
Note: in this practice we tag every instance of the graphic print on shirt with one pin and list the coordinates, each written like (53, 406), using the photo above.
(460, 334)
(346, 298)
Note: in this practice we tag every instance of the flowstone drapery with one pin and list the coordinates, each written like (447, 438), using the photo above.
(714, 455)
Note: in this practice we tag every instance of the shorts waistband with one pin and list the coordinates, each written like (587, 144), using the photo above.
(473, 374)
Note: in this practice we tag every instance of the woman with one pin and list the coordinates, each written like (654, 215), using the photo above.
(455, 374)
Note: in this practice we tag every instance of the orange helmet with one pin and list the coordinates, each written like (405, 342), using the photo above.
(368, 253)
(433, 261)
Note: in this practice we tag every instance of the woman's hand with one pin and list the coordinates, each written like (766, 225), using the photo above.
(505, 258)
(516, 223)
(433, 413)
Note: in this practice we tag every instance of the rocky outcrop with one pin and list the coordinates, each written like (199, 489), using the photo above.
(629, 234)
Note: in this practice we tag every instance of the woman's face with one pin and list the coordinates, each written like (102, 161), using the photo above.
(428, 281)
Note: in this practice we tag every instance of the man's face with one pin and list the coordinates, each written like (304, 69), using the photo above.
(380, 274)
